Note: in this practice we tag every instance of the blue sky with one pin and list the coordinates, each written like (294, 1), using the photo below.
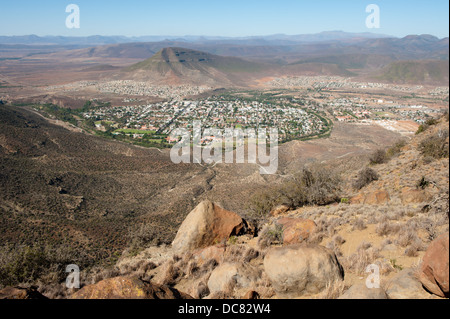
(224, 17)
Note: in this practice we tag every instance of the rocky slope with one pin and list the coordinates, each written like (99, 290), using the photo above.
(397, 223)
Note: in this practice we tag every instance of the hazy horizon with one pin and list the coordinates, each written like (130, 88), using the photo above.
(229, 19)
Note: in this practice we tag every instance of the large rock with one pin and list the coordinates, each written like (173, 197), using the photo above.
(296, 230)
(434, 271)
(405, 285)
(208, 224)
(229, 275)
(360, 291)
(128, 288)
(302, 269)
(20, 293)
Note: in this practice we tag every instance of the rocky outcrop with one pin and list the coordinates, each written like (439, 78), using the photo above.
(20, 293)
(378, 197)
(128, 288)
(208, 224)
(296, 230)
(411, 196)
(228, 275)
(302, 269)
(434, 272)
(360, 291)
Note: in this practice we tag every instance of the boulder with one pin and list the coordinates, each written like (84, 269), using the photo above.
(296, 230)
(360, 291)
(405, 285)
(302, 269)
(20, 293)
(208, 224)
(228, 275)
(128, 288)
(434, 272)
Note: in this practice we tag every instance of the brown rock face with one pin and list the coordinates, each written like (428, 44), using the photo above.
(301, 270)
(296, 230)
(208, 224)
(128, 288)
(358, 199)
(411, 196)
(20, 293)
(434, 273)
(377, 198)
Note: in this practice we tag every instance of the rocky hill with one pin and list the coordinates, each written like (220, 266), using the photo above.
(185, 66)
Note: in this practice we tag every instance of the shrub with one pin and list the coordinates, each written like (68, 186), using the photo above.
(271, 235)
(378, 157)
(435, 146)
(20, 264)
(315, 186)
(426, 125)
(423, 183)
(365, 177)
(395, 149)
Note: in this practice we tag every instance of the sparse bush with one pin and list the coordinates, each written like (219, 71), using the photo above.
(365, 177)
(315, 186)
(271, 235)
(359, 224)
(21, 264)
(430, 122)
(395, 149)
(423, 183)
(435, 146)
(378, 157)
